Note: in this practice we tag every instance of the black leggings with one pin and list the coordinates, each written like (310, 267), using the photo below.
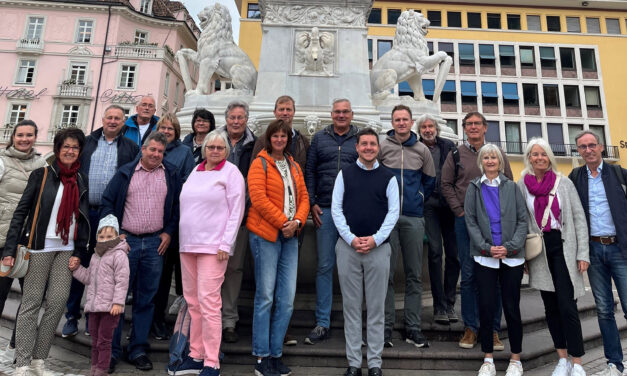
(560, 306)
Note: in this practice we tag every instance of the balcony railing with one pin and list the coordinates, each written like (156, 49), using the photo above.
(142, 52)
(53, 130)
(74, 90)
(35, 45)
(560, 150)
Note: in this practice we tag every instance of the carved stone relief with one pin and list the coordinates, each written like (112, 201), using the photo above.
(314, 52)
(313, 14)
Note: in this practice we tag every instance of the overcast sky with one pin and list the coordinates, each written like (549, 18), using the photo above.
(195, 6)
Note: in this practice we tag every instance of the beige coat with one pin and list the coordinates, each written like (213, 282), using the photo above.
(574, 237)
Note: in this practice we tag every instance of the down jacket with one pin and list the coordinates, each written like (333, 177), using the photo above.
(266, 215)
(106, 278)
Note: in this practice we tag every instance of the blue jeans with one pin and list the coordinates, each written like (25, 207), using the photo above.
(468, 283)
(607, 263)
(145, 264)
(276, 265)
(326, 239)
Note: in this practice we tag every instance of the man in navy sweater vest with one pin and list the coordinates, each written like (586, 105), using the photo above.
(365, 208)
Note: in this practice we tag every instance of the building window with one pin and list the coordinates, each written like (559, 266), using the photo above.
(85, 31)
(493, 134)
(486, 55)
(573, 25)
(588, 61)
(69, 116)
(428, 86)
(567, 58)
(510, 94)
(474, 20)
(166, 84)
(513, 21)
(383, 46)
(571, 96)
(593, 98)
(405, 89)
(526, 57)
(435, 17)
(556, 138)
(430, 47)
(612, 25)
(176, 93)
(253, 11)
(78, 72)
(553, 23)
(454, 19)
(145, 6)
(547, 57)
(599, 130)
(512, 137)
(530, 95)
(533, 23)
(35, 28)
(489, 96)
(466, 54)
(448, 48)
(506, 54)
(534, 130)
(551, 96)
(593, 25)
(18, 113)
(449, 93)
(469, 92)
(452, 123)
(375, 16)
(26, 72)
(127, 76)
(394, 14)
(573, 129)
(141, 37)
(494, 20)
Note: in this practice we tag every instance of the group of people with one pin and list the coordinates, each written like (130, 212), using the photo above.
(121, 221)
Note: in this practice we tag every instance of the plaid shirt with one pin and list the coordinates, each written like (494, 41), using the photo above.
(102, 167)
(143, 209)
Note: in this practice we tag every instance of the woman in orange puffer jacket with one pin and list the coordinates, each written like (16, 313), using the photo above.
(279, 209)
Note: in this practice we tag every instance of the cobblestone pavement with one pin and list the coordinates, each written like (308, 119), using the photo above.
(65, 362)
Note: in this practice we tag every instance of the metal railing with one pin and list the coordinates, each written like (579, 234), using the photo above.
(35, 44)
(142, 52)
(53, 130)
(560, 150)
(74, 90)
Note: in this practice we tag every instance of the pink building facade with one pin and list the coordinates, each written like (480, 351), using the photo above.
(63, 62)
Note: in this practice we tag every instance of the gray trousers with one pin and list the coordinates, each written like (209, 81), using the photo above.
(406, 238)
(233, 279)
(357, 271)
(51, 269)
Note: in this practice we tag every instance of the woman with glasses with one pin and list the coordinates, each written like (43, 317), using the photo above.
(203, 122)
(212, 207)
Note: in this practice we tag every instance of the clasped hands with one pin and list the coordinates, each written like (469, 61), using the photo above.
(498, 252)
(363, 244)
(289, 229)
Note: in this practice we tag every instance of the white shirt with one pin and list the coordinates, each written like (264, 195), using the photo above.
(142, 129)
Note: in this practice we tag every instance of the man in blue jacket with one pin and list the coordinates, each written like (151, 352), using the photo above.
(140, 125)
(332, 149)
(601, 188)
(105, 151)
(144, 196)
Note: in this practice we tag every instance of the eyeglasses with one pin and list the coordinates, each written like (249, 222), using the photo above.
(342, 112)
(215, 147)
(471, 123)
(204, 121)
(147, 105)
(69, 147)
(589, 146)
(238, 118)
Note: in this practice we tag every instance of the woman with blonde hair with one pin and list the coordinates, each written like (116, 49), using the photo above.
(558, 270)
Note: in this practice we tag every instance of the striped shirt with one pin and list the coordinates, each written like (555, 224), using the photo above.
(102, 167)
(145, 199)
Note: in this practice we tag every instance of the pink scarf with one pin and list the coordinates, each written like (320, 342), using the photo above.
(541, 190)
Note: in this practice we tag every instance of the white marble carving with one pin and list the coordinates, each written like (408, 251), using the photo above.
(312, 122)
(314, 52)
(300, 14)
(217, 55)
(254, 125)
(408, 60)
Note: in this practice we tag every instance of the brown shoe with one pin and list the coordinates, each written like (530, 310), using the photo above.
(290, 340)
(469, 340)
(229, 335)
(498, 345)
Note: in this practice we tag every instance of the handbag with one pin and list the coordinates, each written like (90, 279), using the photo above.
(20, 265)
(535, 242)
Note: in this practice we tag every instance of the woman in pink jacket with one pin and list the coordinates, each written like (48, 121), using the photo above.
(212, 208)
(107, 282)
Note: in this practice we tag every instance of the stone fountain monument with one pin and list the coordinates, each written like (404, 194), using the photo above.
(314, 51)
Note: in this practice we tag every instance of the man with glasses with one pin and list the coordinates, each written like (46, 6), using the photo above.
(241, 140)
(457, 173)
(139, 126)
(332, 149)
(601, 188)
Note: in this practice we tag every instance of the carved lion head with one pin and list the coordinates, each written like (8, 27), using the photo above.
(214, 15)
(410, 26)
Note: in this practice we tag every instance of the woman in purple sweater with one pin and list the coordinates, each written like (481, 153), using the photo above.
(496, 218)
(212, 208)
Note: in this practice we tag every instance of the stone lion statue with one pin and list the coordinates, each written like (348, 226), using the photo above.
(409, 59)
(217, 55)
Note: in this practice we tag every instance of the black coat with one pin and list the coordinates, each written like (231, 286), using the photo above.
(19, 230)
(445, 147)
(127, 150)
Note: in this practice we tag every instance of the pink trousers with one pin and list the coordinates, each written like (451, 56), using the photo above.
(202, 276)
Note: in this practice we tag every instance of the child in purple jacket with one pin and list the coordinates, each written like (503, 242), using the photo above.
(107, 282)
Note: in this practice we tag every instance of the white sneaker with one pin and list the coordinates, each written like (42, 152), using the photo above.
(22, 371)
(37, 367)
(563, 368)
(487, 369)
(7, 356)
(514, 369)
(577, 370)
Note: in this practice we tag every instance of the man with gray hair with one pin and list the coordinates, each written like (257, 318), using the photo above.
(139, 126)
(601, 188)
(241, 141)
(439, 227)
(144, 196)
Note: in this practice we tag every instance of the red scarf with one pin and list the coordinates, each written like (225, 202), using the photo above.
(68, 210)
(541, 190)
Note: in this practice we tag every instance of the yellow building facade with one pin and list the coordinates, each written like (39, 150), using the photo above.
(550, 69)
